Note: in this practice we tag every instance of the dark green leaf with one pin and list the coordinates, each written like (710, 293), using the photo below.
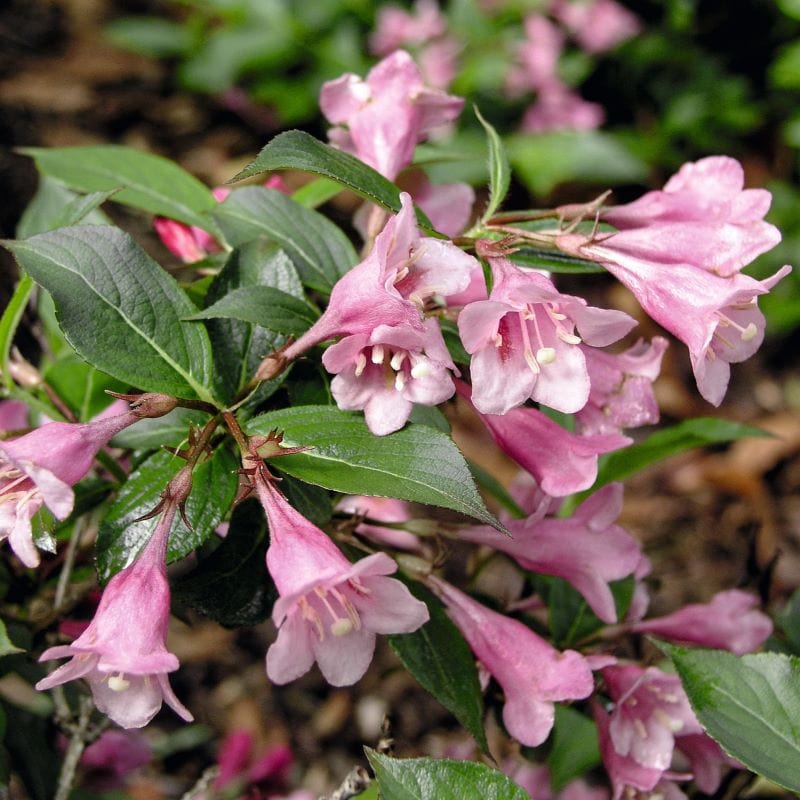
(239, 346)
(48, 208)
(262, 305)
(788, 620)
(416, 463)
(313, 502)
(121, 537)
(575, 747)
(439, 658)
(113, 299)
(495, 489)
(499, 168)
(232, 585)
(749, 704)
(453, 341)
(318, 248)
(554, 261)
(146, 181)
(78, 209)
(442, 779)
(430, 416)
(300, 150)
(171, 430)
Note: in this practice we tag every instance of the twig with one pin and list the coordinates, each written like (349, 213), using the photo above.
(357, 781)
(200, 789)
(77, 744)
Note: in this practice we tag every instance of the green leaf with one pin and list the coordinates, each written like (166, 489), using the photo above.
(318, 248)
(81, 386)
(416, 463)
(74, 212)
(150, 36)
(443, 779)
(749, 704)
(544, 161)
(686, 435)
(785, 70)
(441, 661)
(232, 585)
(575, 747)
(788, 620)
(553, 261)
(262, 305)
(239, 346)
(7, 647)
(317, 192)
(313, 502)
(300, 150)
(499, 168)
(145, 180)
(48, 209)
(496, 490)
(122, 534)
(9, 323)
(113, 299)
(171, 430)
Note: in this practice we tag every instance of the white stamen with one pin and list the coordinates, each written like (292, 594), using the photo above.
(569, 338)
(545, 355)
(377, 354)
(666, 720)
(361, 364)
(640, 728)
(341, 627)
(397, 359)
(750, 332)
(399, 381)
(117, 683)
(421, 370)
(498, 340)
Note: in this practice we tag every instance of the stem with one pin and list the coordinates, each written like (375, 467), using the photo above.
(199, 405)
(530, 236)
(202, 440)
(110, 463)
(236, 430)
(66, 569)
(522, 216)
(77, 744)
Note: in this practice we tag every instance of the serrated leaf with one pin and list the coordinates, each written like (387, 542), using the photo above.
(318, 248)
(112, 299)
(262, 305)
(499, 168)
(121, 536)
(749, 704)
(239, 346)
(232, 585)
(145, 180)
(46, 210)
(442, 779)
(415, 463)
(575, 747)
(300, 150)
(440, 659)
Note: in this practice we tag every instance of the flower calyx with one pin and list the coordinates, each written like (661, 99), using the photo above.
(148, 405)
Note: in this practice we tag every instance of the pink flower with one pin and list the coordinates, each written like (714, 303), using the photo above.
(386, 372)
(622, 770)
(389, 287)
(650, 709)
(122, 654)
(381, 119)
(538, 57)
(114, 756)
(13, 416)
(621, 393)
(329, 610)
(238, 762)
(40, 467)
(716, 317)
(706, 760)
(703, 216)
(587, 549)
(562, 462)
(523, 342)
(398, 28)
(532, 673)
(598, 25)
(385, 509)
(558, 108)
(730, 621)
(447, 205)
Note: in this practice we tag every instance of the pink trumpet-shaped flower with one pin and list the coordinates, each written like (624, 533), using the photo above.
(386, 372)
(389, 286)
(524, 345)
(558, 108)
(562, 462)
(40, 468)
(703, 216)
(384, 509)
(381, 119)
(706, 760)
(730, 621)
(396, 27)
(587, 549)
(621, 388)
(651, 708)
(598, 25)
(538, 57)
(122, 654)
(717, 318)
(13, 416)
(531, 672)
(329, 610)
(114, 756)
